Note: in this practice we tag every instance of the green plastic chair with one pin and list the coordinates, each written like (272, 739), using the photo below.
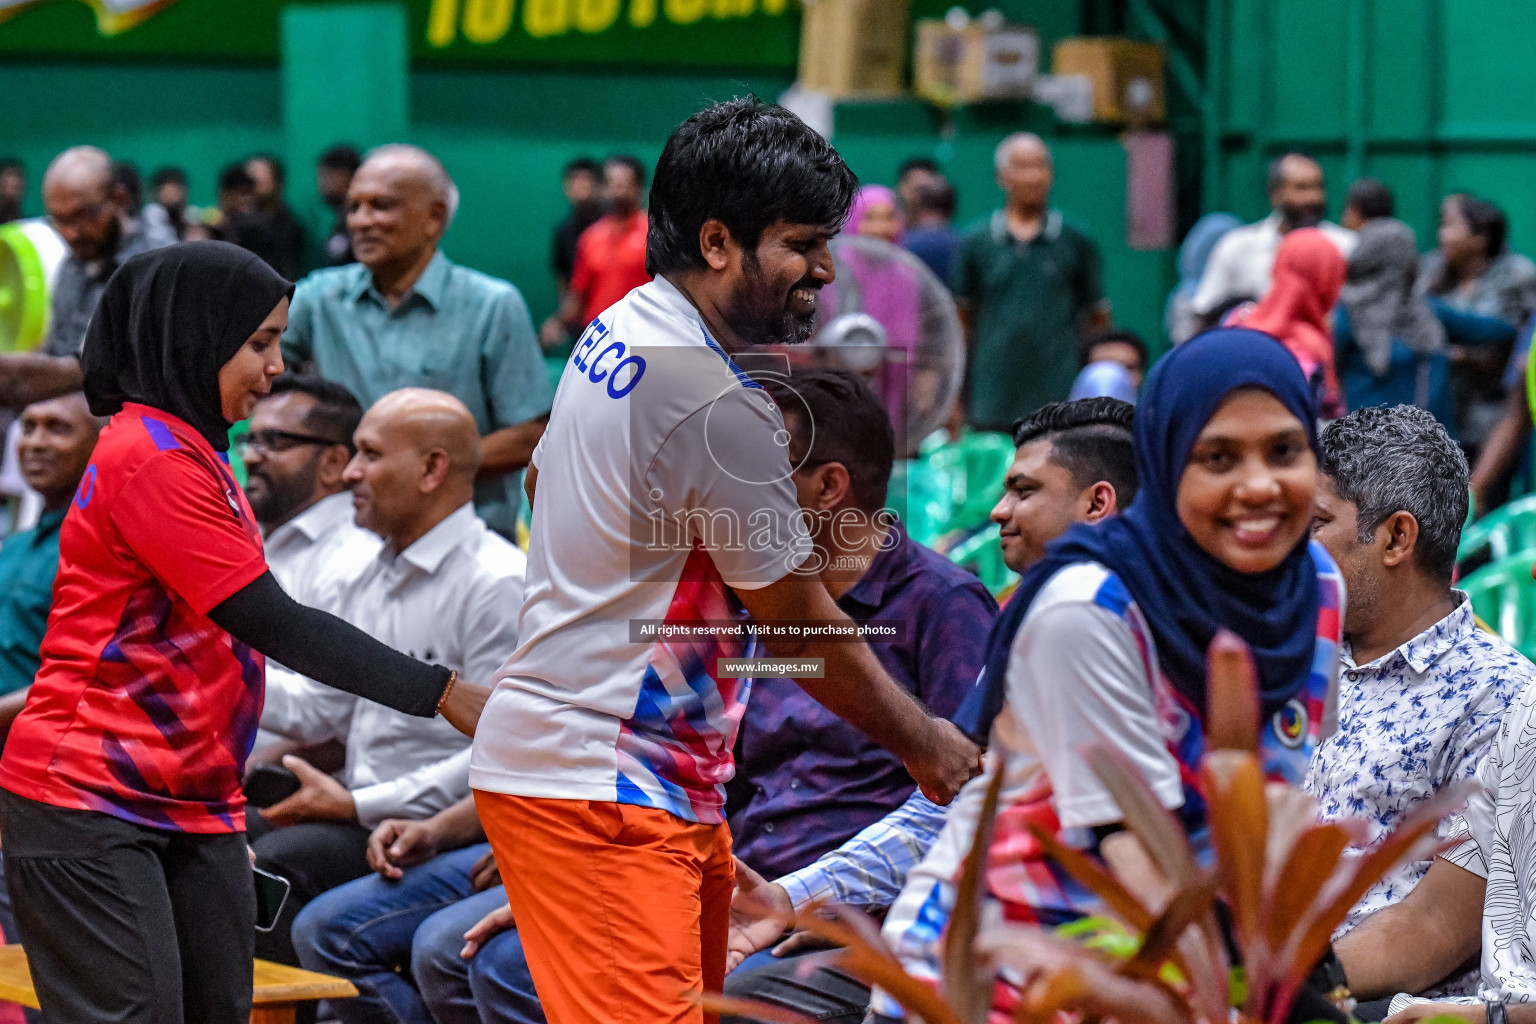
(1504, 596)
(974, 467)
(923, 495)
(1507, 531)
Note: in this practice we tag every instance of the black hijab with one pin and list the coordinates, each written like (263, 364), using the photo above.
(168, 322)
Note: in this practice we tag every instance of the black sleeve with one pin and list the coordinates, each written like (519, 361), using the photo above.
(323, 647)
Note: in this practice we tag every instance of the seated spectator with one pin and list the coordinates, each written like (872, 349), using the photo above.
(1423, 689)
(1308, 273)
(57, 439)
(811, 780)
(931, 234)
(1393, 347)
(404, 315)
(1118, 346)
(913, 174)
(439, 589)
(297, 446)
(168, 211)
(1478, 895)
(1073, 465)
(1104, 644)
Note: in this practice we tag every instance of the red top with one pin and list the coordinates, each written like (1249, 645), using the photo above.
(143, 708)
(610, 262)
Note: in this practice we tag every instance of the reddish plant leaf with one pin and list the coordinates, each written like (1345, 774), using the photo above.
(1232, 695)
(1097, 880)
(967, 986)
(1160, 833)
(1239, 818)
(750, 1008)
(1188, 905)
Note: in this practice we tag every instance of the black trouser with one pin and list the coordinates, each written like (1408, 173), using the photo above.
(820, 993)
(129, 924)
(315, 857)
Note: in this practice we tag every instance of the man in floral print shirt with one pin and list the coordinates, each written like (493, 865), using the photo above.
(1423, 690)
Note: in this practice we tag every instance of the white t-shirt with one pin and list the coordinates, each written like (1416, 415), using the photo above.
(663, 481)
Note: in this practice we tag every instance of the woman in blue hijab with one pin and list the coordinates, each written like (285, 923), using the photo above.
(1104, 642)
(1179, 318)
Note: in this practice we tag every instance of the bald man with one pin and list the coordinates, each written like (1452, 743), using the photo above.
(90, 211)
(1028, 286)
(443, 588)
(405, 315)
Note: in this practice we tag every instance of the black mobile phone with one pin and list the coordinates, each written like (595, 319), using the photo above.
(271, 894)
(268, 784)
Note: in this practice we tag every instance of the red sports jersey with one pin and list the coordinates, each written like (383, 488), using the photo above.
(143, 708)
(610, 262)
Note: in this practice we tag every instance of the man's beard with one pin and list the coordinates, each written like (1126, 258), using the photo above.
(759, 317)
(281, 499)
(1302, 216)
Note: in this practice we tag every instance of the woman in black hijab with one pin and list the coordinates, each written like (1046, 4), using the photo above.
(120, 785)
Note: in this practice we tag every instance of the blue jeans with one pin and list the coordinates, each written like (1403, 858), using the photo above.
(493, 987)
(362, 931)
(377, 933)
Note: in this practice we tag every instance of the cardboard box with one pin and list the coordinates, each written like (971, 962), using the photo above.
(974, 61)
(1127, 77)
(853, 47)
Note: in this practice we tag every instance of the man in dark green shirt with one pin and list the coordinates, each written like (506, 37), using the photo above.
(57, 439)
(1028, 285)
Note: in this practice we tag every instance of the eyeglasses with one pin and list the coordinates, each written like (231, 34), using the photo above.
(277, 441)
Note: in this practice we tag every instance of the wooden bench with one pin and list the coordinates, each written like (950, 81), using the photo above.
(279, 989)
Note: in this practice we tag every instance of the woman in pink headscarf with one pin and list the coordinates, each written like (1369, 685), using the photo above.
(889, 290)
(1297, 309)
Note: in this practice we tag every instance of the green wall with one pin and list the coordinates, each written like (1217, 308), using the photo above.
(1432, 96)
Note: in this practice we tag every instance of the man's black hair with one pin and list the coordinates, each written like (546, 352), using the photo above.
(279, 173)
(630, 161)
(341, 158)
(1485, 220)
(937, 197)
(12, 163)
(848, 424)
(235, 177)
(126, 174)
(1370, 198)
(747, 164)
(167, 176)
(917, 163)
(581, 165)
(1116, 335)
(1090, 438)
(1274, 175)
(336, 412)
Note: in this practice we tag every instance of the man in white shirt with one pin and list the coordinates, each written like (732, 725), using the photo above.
(664, 514)
(440, 589)
(295, 450)
(1239, 267)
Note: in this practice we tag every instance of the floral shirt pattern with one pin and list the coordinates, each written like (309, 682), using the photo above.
(1411, 722)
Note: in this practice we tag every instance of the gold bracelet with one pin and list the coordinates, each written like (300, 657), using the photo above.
(453, 677)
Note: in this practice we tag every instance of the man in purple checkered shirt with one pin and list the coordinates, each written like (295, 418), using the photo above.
(808, 780)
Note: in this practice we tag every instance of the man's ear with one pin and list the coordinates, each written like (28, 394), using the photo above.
(835, 485)
(1402, 535)
(436, 470)
(333, 463)
(1100, 501)
(716, 244)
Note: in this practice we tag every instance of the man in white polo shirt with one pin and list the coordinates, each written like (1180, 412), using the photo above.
(662, 499)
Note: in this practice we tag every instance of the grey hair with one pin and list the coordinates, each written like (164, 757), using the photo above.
(437, 175)
(1400, 459)
(1000, 154)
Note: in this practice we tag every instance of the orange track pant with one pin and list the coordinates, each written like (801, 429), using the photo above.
(623, 910)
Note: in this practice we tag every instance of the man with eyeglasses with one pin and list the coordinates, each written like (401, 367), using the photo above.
(90, 211)
(296, 449)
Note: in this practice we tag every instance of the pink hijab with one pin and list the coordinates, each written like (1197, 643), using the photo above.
(871, 195)
(1304, 287)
